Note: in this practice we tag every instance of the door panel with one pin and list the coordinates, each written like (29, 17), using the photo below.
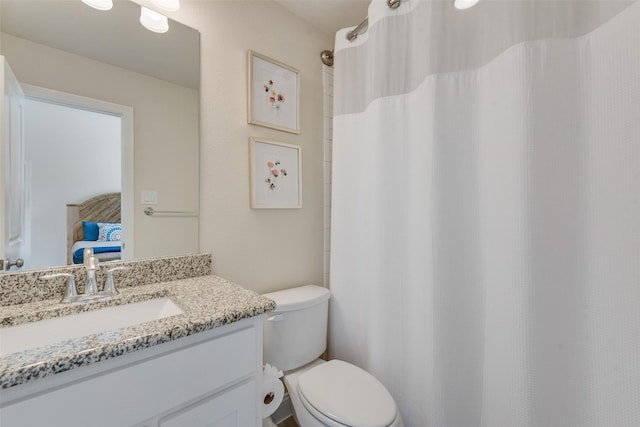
(12, 173)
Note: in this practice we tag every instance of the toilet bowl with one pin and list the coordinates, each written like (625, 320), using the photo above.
(339, 394)
(333, 393)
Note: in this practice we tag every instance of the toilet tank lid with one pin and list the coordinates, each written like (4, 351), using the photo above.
(298, 298)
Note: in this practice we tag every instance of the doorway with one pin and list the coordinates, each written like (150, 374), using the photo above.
(75, 148)
(71, 154)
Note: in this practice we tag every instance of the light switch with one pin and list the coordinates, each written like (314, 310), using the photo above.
(149, 197)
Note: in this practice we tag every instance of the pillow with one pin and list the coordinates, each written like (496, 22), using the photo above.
(90, 230)
(109, 232)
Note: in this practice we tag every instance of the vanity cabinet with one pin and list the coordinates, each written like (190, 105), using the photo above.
(212, 378)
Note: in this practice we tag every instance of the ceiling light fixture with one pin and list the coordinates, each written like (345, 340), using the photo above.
(464, 4)
(153, 21)
(169, 5)
(99, 4)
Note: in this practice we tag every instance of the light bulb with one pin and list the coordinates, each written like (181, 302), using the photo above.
(153, 21)
(99, 4)
(464, 4)
(170, 5)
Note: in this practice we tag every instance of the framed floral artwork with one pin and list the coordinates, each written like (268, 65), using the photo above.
(274, 94)
(275, 174)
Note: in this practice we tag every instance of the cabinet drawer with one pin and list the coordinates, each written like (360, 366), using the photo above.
(231, 408)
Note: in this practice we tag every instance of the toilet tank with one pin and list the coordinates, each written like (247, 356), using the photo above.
(296, 332)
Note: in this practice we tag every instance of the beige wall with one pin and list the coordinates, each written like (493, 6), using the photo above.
(165, 134)
(263, 250)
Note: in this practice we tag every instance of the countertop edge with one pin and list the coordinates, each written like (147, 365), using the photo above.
(195, 295)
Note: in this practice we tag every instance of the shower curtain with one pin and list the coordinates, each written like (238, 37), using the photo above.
(485, 228)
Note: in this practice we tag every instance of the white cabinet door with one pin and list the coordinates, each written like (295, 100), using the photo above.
(231, 408)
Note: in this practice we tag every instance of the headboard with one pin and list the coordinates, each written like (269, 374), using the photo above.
(102, 208)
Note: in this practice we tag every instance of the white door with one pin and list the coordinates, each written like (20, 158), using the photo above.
(12, 171)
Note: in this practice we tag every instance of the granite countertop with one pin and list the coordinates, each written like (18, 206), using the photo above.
(207, 301)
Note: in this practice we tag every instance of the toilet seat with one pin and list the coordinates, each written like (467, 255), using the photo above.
(341, 394)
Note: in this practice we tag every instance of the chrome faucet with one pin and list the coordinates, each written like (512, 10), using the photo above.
(91, 287)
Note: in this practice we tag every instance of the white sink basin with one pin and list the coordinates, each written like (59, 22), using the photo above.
(45, 332)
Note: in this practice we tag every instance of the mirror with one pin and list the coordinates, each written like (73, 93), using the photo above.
(68, 54)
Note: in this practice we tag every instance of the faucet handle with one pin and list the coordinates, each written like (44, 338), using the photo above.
(110, 284)
(71, 293)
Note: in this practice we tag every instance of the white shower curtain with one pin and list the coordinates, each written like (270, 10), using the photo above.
(485, 234)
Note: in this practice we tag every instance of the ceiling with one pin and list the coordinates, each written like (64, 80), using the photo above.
(72, 26)
(329, 15)
(115, 37)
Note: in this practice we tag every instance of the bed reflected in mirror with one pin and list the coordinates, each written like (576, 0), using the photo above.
(95, 224)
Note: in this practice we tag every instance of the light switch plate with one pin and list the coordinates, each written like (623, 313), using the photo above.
(149, 197)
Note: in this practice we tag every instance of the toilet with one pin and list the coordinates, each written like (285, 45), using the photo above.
(333, 393)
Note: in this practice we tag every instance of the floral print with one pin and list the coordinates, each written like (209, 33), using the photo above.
(275, 175)
(274, 98)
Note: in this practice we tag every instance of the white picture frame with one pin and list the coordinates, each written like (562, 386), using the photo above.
(275, 174)
(273, 94)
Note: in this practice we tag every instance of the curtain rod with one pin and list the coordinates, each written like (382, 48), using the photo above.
(327, 55)
(360, 29)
